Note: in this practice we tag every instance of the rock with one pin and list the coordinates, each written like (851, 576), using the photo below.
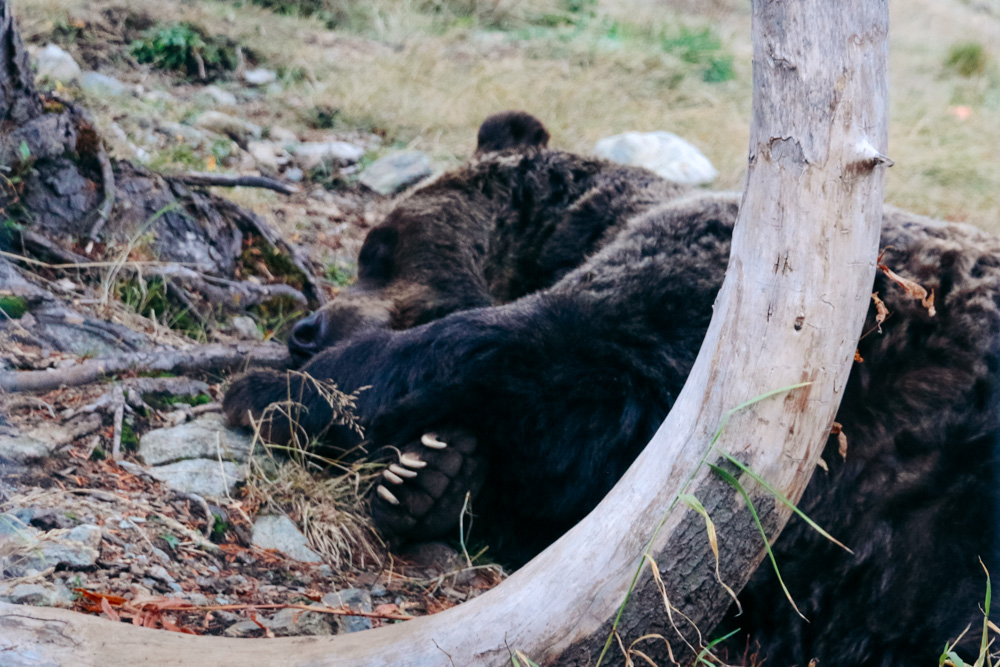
(278, 532)
(246, 328)
(56, 64)
(160, 573)
(352, 598)
(102, 85)
(203, 438)
(87, 534)
(666, 154)
(397, 171)
(27, 551)
(294, 174)
(260, 77)
(268, 155)
(243, 629)
(221, 97)
(181, 133)
(231, 126)
(282, 135)
(296, 622)
(204, 477)
(39, 595)
(158, 97)
(20, 449)
(311, 154)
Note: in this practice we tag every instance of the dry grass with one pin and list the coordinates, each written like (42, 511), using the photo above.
(425, 73)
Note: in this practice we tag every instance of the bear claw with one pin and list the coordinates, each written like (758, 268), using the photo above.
(400, 471)
(411, 461)
(431, 440)
(386, 495)
(392, 477)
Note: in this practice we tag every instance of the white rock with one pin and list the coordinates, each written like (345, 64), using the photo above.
(278, 532)
(247, 328)
(311, 154)
(394, 172)
(56, 64)
(260, 77)
(204, 438)
(666, 154)
(204, 477)
(102, 85)
(282, 135)
(267, 154)
(223, 98)
(220, 123)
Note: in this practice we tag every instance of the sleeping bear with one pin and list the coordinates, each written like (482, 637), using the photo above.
(523, 324)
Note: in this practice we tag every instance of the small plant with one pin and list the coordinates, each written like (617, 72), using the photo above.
(704, 49)
(185, 48)
(340, 275)
(967, 58)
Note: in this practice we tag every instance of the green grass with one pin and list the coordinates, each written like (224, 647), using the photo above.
(968, 59)
(13, 307)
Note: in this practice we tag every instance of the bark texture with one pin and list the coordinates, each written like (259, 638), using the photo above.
(802, 263)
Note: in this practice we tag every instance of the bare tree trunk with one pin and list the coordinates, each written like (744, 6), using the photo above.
(790, 311)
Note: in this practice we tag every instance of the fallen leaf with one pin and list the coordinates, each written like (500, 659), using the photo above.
(912, 289)
(881, 312)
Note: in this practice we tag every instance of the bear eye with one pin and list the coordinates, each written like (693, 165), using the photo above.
(375, 262)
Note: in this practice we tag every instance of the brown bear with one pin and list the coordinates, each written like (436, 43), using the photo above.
(528, 340)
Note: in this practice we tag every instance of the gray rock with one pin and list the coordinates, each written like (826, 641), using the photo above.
(267, 154)
(19, 449)
(246, 328)
(666, 154)
(260, 77)
(282, 135)
(87, 534)
(243, 628)
(352, 598)
(296, 622)
(311, 154)
(160, 573)
(294, 174)
(205, 477)
(181, 132)
(206, 437)
(29, 551)
(231, 126)
(223, 98)
(278, 532)
(102, 85)
(56, 64)
(39, 595)
(397, 171)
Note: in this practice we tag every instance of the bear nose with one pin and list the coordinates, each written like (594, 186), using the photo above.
(304, 341)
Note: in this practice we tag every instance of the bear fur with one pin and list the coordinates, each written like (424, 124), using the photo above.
(539, 312)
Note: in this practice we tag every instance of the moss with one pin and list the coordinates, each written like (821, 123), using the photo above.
(13, 306)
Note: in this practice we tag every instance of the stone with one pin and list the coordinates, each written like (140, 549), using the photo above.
(296, 622)
(221, 97)
(56, 64)
(102, 85)
(231, 126)
(352, 598)
(395, 172)
(282, 135)
(267, 154)
(260, 77)
(39, 595)
(205, 437)
(20, 449)
(158, 97)
(87, 534)
(294, 174)
(664, 153)
(204, 477)
(311, 154)
(246, 328)
(279, 532)
(181, 132)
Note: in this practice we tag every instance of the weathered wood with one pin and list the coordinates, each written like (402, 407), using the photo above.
(200, 358)
(236, 180)
(790, 311)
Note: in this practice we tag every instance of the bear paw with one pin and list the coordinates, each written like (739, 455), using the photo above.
(422, 495)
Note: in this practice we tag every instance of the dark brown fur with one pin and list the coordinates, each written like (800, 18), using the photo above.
(549, 377)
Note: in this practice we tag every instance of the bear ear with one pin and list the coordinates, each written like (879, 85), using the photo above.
(511, 129)
(375, 262)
